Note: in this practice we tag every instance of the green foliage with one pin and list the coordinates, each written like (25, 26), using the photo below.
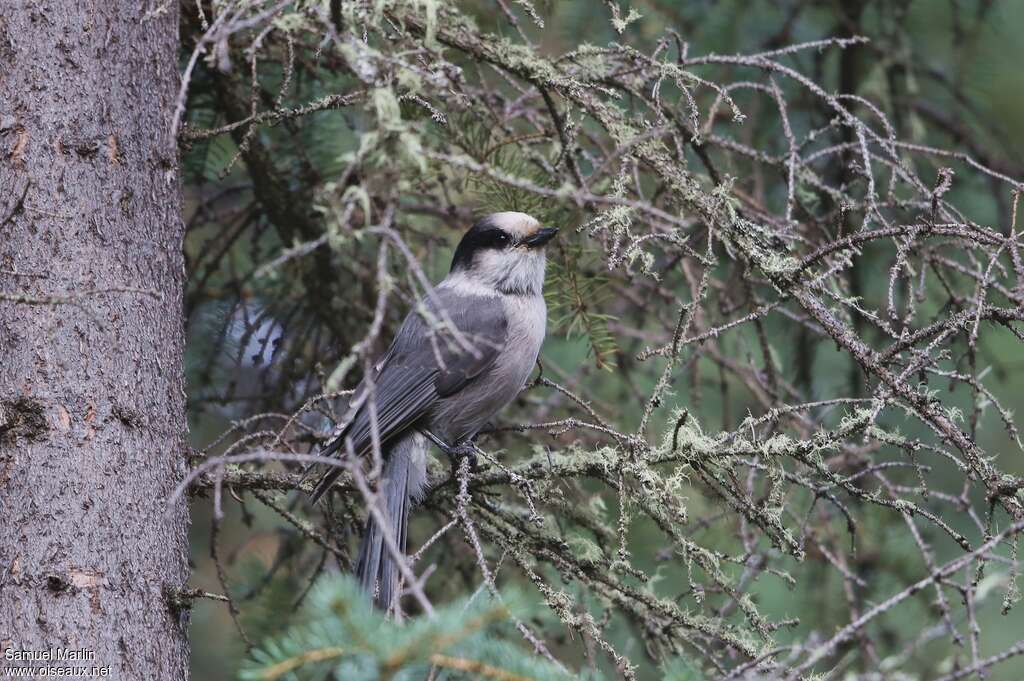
(479, 141)
(575, 293)
(342, 632)
(680, 669)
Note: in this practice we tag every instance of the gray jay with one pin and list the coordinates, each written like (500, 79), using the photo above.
(441, 384)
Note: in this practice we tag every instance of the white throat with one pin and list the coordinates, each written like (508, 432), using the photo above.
(516, 272)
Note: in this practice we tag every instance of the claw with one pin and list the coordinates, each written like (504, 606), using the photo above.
(466, 450)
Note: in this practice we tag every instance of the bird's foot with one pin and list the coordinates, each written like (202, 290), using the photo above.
(466, 450)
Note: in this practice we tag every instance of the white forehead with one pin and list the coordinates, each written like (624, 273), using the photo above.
(517, 224)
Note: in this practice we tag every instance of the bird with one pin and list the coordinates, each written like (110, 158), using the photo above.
(462, 354)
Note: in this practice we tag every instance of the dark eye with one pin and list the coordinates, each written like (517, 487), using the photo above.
(502, 240)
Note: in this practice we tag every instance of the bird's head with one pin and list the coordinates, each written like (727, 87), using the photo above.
(504, 252)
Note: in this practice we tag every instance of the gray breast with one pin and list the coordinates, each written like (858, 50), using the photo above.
(462, 415)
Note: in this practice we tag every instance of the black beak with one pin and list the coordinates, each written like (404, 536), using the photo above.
(540, 237)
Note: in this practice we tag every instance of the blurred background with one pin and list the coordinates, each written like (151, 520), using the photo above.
(964, 92)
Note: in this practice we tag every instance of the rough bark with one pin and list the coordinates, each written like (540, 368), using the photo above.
(92, 425)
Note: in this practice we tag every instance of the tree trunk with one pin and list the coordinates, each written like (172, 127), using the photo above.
(92, 423)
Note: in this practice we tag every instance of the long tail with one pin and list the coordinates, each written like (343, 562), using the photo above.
(375, 567)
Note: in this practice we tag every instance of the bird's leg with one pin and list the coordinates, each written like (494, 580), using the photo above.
(466, 448)
(441, 444)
